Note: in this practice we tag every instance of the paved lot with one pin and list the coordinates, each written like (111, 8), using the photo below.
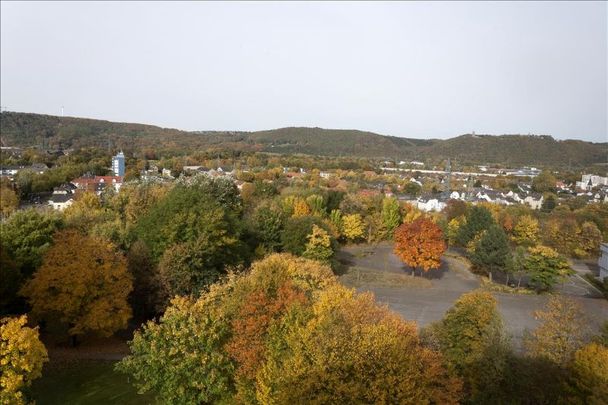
(426, 305)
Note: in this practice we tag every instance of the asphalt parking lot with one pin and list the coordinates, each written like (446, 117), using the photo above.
(451, 280)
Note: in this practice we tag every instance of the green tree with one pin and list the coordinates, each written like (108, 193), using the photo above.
(492, 252)
(204, 208)
(391, 215)
(544, 182)
(546, 267)
(267, 223)
(295, 234)
(478, 219)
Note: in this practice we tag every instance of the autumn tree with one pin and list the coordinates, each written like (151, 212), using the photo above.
(294, 236)
(348, 349)
(545, 267)
(455, 209)
(84, 281)
(318, 246)
(472, 339)
(9, 200)
(353, 227)
(526, 231)
(192, 355)
(561, 331)
(420, 244)
(590, 239)
(22, 356)
(590, 373)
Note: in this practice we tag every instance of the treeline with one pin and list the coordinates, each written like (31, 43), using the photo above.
(21, 129)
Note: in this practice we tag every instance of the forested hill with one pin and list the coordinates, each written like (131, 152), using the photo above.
(23, 129)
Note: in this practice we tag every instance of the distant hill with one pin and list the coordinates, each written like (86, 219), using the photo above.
(23, 129)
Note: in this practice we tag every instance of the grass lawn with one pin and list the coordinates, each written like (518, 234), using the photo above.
(89, 382)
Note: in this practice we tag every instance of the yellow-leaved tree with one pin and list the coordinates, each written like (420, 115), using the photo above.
(353, 227)
(526, 231)
(84, 280)
(22, 355)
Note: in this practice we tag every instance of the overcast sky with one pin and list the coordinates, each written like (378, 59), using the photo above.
(425, 70)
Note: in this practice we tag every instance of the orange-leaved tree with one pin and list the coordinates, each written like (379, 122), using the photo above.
(84, 280)
(420, 244)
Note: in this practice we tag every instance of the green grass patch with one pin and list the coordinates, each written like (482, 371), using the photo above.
(362, 277)
(86, 382)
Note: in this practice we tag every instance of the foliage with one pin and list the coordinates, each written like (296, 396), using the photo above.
(472, 339)
(85, 281)
(9, 200)
(560, 333)
(146, 295)
(544, 182)
(526, 231)
(590, 239)
(22, 356)
(546, 267)
(319, 245)
(295, 233)
(349, 350)
(590, 373)
(207, 208)
(190, 267)
(420, 244)
(455, 209)
(352, 227)
(453, 229)
(478, 219)
(492, 252)
(192, 355)
(300, 208)
(391, 215)
(267, 223)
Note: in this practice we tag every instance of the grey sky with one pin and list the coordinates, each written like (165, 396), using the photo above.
(406, 69)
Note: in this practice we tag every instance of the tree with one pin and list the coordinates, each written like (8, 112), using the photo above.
(209, 208)
(295, 233)
(9, 200)
(478, 219)
(420, 244)
(391, 215)
(300, 208)
(560, 333)
(193, 355)
(319, 245)
(347, 349)
(24, 237)
(352, 227)
(189, 268)
(492, 252)
(267, 223)
(546, 267)
(84, 281)
(526, 231)
(590, 373)
(544, 182)
(549, 202)
(455, 209)
(316, 204)
(22, 356)
(590, 239)
(472, 340)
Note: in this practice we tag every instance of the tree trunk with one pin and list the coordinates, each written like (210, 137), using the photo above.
(490, 273)
(519, 282)
(507, 283)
